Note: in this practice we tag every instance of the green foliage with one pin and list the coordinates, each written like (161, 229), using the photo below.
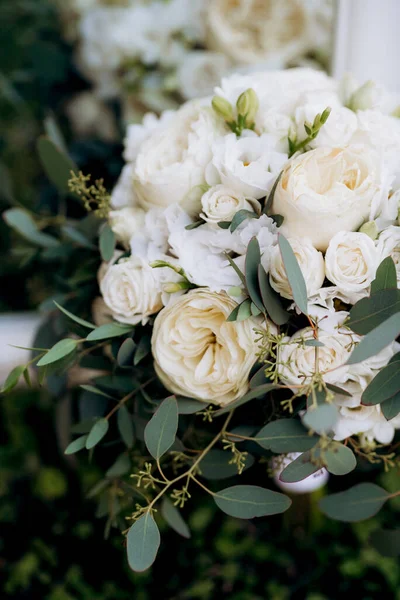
(321, 418)
(97, 432)
(174, 518)
(370, 312)
(22, 222)
(161, 430)
(376, 340)
(386, 276)
(294, 274)
(303, 466)
(355, 504)
(58, 351)
(107, 242)
(143, 541)
(57, 165)
(285, 435)
(249, 501)
(108, 331)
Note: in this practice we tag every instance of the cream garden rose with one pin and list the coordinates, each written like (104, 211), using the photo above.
(172, 160)
(327, 190)
(131, 290)
(220, 203)
(351, 262)
(198, 353)
(311, 263)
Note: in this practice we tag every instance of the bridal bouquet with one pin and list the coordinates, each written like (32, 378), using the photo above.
(248, 307)
(155, 53)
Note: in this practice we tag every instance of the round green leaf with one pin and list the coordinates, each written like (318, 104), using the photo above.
(383, 386)
(285, 435)
(21, 221)
(97, 433)
(143, 541)
(189, 406)
(107, 242)
(303, 466)
(355, 504)
(58, 351)
(391, 407)
(109, 330)
(76, 445)
(377, 339)
(160, 431)
(339, 459)
(294, 274)
(125, 426)
(216, 465)
(370, 312)
(386, 276)
(174, 518)
(58, 166)
(322, 418)
(249, 501)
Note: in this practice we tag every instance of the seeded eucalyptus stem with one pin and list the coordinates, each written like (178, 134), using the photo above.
(127, 397)
(189, 473)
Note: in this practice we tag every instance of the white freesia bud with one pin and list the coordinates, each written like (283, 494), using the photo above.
(131, 290)
(311, 263)
(198, 353)
(305, 486)
(220, 203)
(222, 107)
(247, 105)
(370, 228)
(351, 262)
(364, 97)
(327, 190)
(126, 222)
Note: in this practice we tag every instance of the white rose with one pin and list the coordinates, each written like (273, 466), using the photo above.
(200, 72)
(126, 222)
(220, 203)
(327, 190)
(351, 261)
(297, 362)
(249, 164)
(249, 31)
(311, 263)
(131, 290)
(338, 129)
(172, 160)
(138, 133)
(388, 244)
(198, 353)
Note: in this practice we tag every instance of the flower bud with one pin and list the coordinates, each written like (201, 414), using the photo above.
(370, 229)
(222, 107)
(171, 288)
(247, 105)
(364, 97)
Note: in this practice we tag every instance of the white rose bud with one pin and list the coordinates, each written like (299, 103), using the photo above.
(364, 97)
(327, 190)
(370, 229)
(311, 263)
(198, 353)
(221, 203)
(351, 262)
(126, 222)
(131, 291)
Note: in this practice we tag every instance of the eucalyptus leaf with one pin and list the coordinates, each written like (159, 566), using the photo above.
(241, 216)
(257, 392)
(252, 262)
(143, 541)
(160, 431)
(271, 300)
(59, 350)
(107, 331)
(234, 314)
(314, 343)
(74, 317)
(120, 467)
(13, 378)
(300, 468)
(107, 242)
(370, 312)
(270, 199)
(383, 386)
(338, 390)
(391, 407)
(21, 221)
(94, 390)
(74, 235)
(76, 445)
(143, 349)
(294, 274)
(97, 433)
(339, 459)
(189, 406)
(358, 503)
(125, 426)
(376, 340)
(174, 518)
(285, 435)
(58, 166)
(249, 501)
(217, 465)
(259, 378)
(126, 353)
(244, 311)
(321, 418)
(386, 276)
(236, 269)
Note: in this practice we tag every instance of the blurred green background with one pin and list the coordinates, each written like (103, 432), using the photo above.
(52, 544)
